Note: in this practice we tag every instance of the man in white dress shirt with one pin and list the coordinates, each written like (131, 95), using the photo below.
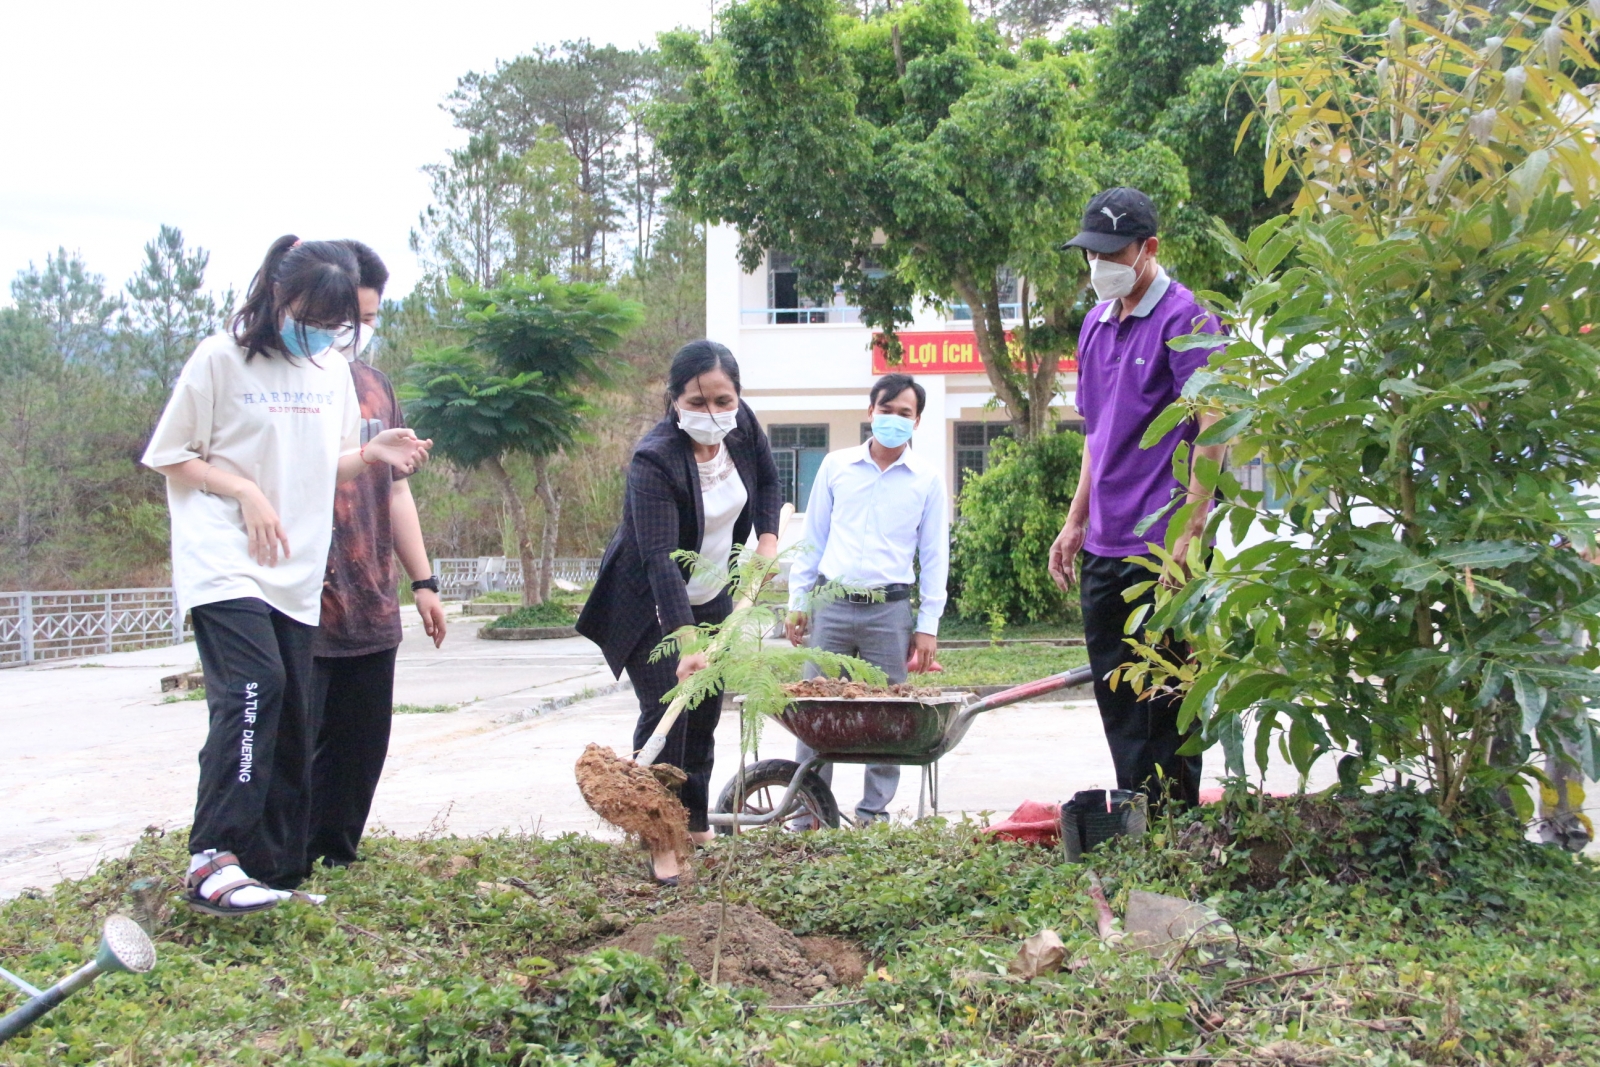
(873, 508)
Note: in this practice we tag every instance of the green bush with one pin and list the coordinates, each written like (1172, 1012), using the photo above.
(1010, 515)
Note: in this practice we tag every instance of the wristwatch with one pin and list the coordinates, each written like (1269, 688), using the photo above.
(426, 583)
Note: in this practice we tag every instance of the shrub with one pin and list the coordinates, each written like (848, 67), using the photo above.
(1010, 515)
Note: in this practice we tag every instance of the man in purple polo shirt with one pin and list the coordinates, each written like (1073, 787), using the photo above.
(1126, 376)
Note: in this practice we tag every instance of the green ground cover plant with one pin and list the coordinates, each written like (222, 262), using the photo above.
(1431, 944)
(424, 709)
(549, 613)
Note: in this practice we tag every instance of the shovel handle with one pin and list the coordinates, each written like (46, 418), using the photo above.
(658, 738)
(1077, 676)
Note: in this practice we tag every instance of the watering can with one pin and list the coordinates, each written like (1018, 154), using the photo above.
(124, 949)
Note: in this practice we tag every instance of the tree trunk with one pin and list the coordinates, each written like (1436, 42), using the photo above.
(1010, 386)
(519, 519)
(552, 525)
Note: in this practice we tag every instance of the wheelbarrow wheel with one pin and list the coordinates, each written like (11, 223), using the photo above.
(764, 786)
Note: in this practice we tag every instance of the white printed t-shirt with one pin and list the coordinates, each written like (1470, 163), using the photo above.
(280, 422)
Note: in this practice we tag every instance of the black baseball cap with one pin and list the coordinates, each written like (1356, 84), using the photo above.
(1114, 219)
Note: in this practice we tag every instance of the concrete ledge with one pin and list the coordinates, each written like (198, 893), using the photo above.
(526, 633)
(556, 703)
(489, 609)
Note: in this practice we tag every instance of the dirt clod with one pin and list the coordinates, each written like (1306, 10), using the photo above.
(850, 690)
(756, 952)
(632, 799)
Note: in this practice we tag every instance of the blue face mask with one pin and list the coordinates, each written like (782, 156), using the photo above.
(892, 431)
(317, 340)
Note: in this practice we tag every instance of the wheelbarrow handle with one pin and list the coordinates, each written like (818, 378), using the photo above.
(1077, 676)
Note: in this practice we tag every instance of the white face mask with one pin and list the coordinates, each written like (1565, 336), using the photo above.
(353, 352)
(1112, 280)
(706, 428)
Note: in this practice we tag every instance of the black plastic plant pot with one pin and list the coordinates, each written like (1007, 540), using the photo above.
(1094, 816)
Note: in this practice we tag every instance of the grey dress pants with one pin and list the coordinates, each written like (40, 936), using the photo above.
(880, 634)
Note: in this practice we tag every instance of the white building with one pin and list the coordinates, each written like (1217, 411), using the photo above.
(807, 370)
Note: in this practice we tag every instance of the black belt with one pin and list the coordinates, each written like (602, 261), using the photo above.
(889, 594)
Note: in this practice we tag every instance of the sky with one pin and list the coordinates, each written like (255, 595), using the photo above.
(238, 122)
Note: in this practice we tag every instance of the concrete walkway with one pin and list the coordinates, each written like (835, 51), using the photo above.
(93, 754)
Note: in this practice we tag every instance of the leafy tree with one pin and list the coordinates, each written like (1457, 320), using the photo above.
(1152, 48)
(1010, 515)
(909, 154)
(1412, 362)
(71, 301)
(167, 309)
(498, 211)
(533, 345)
(587, 94)
(477, 417)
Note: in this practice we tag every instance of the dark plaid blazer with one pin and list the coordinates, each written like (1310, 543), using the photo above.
(640, 585)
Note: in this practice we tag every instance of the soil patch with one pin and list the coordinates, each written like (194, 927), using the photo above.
(632, 799)
(843, 687)
(756, 952)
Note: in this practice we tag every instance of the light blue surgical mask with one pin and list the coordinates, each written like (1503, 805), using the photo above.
(316, 339)
(892, 431)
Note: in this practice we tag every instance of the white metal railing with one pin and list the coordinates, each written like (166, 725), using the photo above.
(829, 313)
(463, 579)
(86, 622)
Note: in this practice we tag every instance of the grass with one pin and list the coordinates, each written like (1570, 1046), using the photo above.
(197, 693)
(501, 597)
(1004, 665)
(424, 709)
(425, 954)
(956, 628)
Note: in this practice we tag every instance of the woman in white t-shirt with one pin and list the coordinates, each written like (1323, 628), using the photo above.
(261, 425)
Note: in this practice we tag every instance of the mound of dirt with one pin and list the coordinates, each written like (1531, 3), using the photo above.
(633, 799)
(844, 687)
(756, 952)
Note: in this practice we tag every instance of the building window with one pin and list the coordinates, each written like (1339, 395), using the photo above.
(797, 451)
(783, 291)
(973, 441)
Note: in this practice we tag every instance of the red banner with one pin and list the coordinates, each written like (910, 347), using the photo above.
(953, 352)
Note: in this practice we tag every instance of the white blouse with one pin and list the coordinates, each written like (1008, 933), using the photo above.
(722, 497)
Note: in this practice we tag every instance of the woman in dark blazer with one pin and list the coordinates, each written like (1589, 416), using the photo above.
(702, 479)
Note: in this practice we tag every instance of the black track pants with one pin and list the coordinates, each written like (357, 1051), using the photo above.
(691, 743)
(354, 698)
(1142, 734)
(255, 768)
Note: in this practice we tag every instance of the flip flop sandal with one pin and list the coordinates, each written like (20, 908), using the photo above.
(220, 902)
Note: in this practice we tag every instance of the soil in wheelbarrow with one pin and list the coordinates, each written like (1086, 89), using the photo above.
(756, 952)
(849, 690)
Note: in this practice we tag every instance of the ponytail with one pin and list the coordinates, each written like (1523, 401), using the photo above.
(318, 279)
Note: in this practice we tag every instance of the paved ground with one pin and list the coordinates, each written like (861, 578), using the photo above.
(93, 754)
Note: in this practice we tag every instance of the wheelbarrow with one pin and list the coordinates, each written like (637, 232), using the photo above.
(903, 731)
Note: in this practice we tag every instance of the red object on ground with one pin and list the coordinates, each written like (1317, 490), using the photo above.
(1032, 824)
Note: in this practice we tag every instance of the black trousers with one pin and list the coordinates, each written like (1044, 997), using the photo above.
(255, 768)
(691, 743)
(354, 698)
(1142, 734)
